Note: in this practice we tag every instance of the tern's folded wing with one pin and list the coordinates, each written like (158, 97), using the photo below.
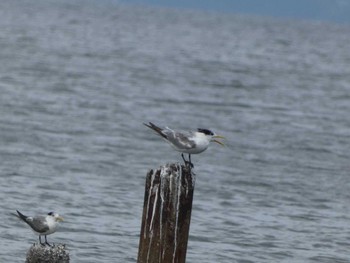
(181, 141)
(39, 224)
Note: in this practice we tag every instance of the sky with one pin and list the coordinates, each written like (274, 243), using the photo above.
(319, 10)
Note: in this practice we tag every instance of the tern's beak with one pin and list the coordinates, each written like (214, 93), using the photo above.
(218, 137)
(59, 219)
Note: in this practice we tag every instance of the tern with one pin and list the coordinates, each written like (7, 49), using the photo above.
(191, 142)
(42, 225)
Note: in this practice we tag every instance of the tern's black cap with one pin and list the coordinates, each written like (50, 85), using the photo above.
(205, 131)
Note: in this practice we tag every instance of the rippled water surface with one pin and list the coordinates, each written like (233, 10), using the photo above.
(78, 78)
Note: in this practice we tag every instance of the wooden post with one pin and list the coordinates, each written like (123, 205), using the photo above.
(55, 254)
(166, 215)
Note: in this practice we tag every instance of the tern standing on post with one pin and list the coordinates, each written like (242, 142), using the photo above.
(191, 142)
(42, 225)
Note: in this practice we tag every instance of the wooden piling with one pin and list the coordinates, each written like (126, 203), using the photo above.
(166, 215)
(55, 254)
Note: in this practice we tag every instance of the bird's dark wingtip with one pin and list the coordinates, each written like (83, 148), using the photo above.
(148, 125)
(21, 215)
(152, 126)
(156, 129)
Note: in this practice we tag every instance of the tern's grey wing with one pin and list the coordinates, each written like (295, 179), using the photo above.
(39, 224)
(181, 140)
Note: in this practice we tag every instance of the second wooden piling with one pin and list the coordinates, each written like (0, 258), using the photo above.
(166, 215)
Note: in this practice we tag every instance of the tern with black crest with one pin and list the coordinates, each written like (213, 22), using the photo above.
(191, 142)
(42, 225)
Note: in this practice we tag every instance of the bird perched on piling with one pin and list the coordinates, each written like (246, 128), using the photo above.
(191, 142)
(42, 225)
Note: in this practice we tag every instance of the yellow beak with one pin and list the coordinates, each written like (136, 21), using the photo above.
(59, 219)
(218, 137)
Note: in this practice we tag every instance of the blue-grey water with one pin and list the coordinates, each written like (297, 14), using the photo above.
(78, 79)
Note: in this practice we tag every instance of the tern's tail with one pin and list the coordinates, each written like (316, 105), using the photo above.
(156, 129)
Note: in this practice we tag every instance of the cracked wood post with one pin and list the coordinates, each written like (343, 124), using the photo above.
(166, 215)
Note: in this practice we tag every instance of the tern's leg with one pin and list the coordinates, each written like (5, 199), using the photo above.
(189, 159)
(187, 162)
(43, 244)
(47, 243)
(183, 158)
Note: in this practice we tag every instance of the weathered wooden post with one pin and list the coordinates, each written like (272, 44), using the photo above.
(166, 215)
(55, 254)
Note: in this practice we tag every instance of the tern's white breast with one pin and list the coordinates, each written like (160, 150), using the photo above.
(201, 143)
